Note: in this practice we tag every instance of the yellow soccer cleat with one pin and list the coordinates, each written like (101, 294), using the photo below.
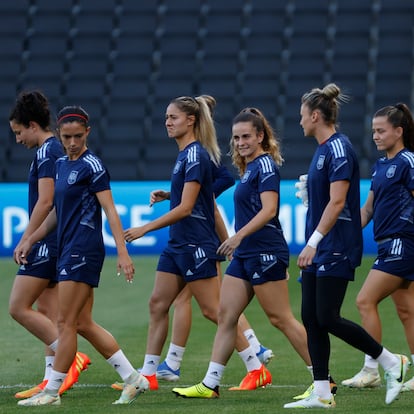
(311, 387)
(196, 391)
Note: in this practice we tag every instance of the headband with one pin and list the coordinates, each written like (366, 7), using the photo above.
(74, 116)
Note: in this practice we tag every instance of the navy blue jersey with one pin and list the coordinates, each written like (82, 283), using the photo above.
(78, 210)
(335, 160)
(261, 175)
(222, 179)
(43, 166)
(392, 183)
(193, 164)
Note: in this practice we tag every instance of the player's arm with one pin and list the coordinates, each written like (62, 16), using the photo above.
(124, 261)
(184, 209)
(48, 225)
(221, 229)
(367, 210)
(338, 191)
(46, 188)
(269, 200)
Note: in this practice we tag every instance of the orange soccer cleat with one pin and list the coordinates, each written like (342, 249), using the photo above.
(254, 379)
(79, 364)
(32, 391)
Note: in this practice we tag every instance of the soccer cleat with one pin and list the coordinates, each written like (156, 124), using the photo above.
(254, 379)
(164, 372)
(394, 378)
(118, 386)
(132, 390)
(196, 391)
(408, 385)
(313, 401)
(265, 355)
(153, 382)
(40, 399)
(366, 378)
(37, 389)
(79, 364)
(311, 387)
(152, 379)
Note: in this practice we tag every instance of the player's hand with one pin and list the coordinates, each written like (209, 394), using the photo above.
(21, 252)
(158, 195)
(134, 233)
(127, 266)
(229, 245)
(306, 256)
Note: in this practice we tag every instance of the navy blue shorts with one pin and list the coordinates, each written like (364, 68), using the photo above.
(257, 269)
(396, 257)
(40, 264)
(341, 269)
(191, 265)
(81, 268)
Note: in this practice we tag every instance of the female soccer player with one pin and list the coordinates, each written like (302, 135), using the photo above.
(82, 189)
(190, 257)
(390, 204)
(260, 252)
(333, 249)
(36, 281)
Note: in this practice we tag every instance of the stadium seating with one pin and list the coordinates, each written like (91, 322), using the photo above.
(123, 60)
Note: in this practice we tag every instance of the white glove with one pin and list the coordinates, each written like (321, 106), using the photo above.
(302, 187)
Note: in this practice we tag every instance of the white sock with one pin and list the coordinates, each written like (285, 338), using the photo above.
(387, 359)
(174, 356)
(55, 381)
(49, 360)
(214, 374)
(53, 346)
(323, 389)
(250, 359)
(120, 363)
(310, 369)
(151, 363)
(252, 339)
(370, 362)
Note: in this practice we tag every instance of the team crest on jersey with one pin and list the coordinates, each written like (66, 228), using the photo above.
(321, 161)
(246, 176)
(177, 167)
(391, 171)
(72, 177)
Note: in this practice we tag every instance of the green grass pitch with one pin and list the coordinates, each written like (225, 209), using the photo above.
(123, 309)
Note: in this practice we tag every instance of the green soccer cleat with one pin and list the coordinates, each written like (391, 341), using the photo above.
(196, 391)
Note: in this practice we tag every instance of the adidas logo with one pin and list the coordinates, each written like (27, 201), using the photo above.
(322, 268)
(189, 273)
(256, 276)
(63, 272)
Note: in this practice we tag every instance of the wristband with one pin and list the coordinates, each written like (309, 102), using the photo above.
(315, 239)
